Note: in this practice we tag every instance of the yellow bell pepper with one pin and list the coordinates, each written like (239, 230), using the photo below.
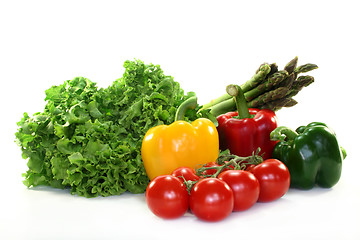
(180, 144)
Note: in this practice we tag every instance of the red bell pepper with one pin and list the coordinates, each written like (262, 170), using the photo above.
(244, 131)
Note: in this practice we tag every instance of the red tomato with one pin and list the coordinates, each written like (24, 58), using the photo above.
(245, 186)
(274, 179)
(249, 167)
(211, 199)
(187, 173)
(167, 197)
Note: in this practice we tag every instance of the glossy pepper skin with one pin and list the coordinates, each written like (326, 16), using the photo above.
(312, 155)
(180, 144)
(243, 136)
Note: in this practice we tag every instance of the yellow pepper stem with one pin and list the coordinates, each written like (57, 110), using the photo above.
(190, 103)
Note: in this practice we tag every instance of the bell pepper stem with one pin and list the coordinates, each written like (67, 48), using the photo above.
(190, 103)
(343, 152)
(241, 105)
(282, 132)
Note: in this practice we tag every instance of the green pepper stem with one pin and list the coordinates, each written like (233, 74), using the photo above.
(282, 132)
(343, 152)
(190, 103)
(237, 93)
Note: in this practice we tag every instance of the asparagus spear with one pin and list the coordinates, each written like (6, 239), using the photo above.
(223, 107)
(288, 101)
(275, 105)
(305, 68)
(275, 97)
(288, 82)
(278, 104)
(257, 78)
(290, 67)
(216, 101)
(270, 82)
(300, 83)
(274, 68)
(272, 95)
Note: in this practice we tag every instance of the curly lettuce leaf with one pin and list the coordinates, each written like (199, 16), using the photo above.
(89, 139)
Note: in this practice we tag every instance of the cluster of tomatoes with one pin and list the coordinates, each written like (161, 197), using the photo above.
(214, 198)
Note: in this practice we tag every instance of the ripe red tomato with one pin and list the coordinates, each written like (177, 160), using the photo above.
(274, 179)
(249, 167)
(211, 199)
(167, 197)
(187, 173)
(245, 186)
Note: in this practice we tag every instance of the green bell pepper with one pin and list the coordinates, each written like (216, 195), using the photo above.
(312, 155)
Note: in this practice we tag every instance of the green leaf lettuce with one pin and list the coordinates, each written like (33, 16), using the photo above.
(89, 139)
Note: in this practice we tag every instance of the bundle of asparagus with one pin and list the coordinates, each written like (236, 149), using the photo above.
(268, 88)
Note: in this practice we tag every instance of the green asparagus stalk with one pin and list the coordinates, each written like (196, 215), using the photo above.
(292, 102)
(257, 70)
(223, 107)
(229, 105)
(299, 84)
(261, 92)
(214, 102)
(257, 78)
(278, 104)
(272, 95)
(288, 82)
(291, 66)
(273, 68)
(288, 101)
(274, 100)
(260, 74)
(270, 82)
(305, 68)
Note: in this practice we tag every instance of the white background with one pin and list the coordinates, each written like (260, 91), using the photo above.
(205, 45)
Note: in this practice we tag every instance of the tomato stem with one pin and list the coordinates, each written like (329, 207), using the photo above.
(226, 161)
(230, 161)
